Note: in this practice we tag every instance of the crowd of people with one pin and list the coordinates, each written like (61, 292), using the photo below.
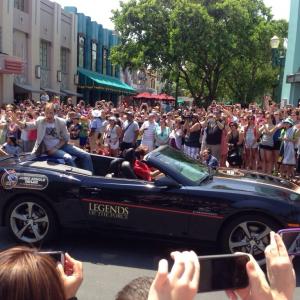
(27, 274)
(262, 138)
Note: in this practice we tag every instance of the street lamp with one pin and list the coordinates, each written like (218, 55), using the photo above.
(275, 42)
(278, 60)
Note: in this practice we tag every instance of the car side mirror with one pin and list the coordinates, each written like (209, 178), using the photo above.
(167, 183)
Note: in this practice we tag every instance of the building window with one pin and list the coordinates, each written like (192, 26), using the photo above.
(19, 4)
(104, 61)
(94, 56)
(45, 55)
(64, 60)
(81, 51)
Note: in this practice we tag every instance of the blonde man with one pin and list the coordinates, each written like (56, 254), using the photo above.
(53, 138)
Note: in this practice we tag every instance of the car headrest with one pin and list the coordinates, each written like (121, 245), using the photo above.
(129, 155)
(114, 166)
(127, 170)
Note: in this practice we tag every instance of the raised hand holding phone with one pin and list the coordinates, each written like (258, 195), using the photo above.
(291, 240)
(71, 274)
(280, 269)
(281, 275)
(181, 283)
(223, 272)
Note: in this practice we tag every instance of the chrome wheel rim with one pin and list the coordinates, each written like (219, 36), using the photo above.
(29, 222)
(250, 237)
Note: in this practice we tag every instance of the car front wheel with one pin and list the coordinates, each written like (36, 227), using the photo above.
(249, 234)
(30, 221)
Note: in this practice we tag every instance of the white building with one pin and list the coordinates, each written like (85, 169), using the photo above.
(43, 38)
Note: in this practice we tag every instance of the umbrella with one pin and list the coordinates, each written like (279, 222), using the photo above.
(165, 97)
(144, 96)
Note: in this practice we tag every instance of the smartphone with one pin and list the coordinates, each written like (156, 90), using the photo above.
(223, 272)
(58, 256)
(291, 239)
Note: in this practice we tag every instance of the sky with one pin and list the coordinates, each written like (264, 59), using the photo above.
(100, 10)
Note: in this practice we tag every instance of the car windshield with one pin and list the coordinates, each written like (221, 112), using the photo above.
(187, 167)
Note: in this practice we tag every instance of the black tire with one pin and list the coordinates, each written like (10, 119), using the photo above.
(33, 228)
(249, 234)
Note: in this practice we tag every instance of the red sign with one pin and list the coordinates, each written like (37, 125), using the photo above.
(11, 65)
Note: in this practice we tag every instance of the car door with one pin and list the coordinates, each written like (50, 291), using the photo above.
(133, 205)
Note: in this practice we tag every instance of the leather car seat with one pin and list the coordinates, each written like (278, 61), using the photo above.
(115, 166)
(127, 170)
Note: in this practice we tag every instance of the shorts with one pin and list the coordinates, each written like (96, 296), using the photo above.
(192, 152)
(266, 147)
(82, 141)
(277, 145)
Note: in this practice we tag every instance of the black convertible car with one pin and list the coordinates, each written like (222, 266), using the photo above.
(236, 208)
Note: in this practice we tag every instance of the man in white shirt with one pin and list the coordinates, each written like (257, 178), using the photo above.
(130, 132)
(148, 132)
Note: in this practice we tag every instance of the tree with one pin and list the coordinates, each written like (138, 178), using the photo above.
(206, 46)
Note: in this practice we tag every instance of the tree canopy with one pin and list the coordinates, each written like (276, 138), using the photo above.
(213, 48)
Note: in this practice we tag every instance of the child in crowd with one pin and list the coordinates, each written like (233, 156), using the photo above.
(11, 146)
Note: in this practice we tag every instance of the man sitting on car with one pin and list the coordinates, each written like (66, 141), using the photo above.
(53, 138)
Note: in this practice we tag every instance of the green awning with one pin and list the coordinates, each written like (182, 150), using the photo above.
(104, 82)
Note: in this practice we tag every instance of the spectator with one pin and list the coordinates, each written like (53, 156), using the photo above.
(215, 126)
(137, 289)
(192, 129)
(130, 132)
(11, 146)
(162, 133)
(209, 160)
(74, 130)
(251, 137)
(84, 131)
(26, 274)
(95, 129)
(266, 145)
(112, 136)
(281, 282)
(44, 97)
(287, 151)
(148, 132)
(235, 145)
(181, 283)
(176, 134)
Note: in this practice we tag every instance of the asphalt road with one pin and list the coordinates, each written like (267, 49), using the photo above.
(110, 263)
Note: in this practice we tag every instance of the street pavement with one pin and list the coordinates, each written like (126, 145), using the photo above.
(110, 263)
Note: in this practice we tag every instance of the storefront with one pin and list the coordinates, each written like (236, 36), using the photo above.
(95, 86)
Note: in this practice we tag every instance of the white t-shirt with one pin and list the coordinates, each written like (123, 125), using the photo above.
(97, 124)
(130, 132)
(149, 132)
(51, 137)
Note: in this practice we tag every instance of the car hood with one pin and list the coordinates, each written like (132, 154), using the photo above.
(255, 183)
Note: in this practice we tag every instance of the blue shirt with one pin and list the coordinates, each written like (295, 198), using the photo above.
(212, 162)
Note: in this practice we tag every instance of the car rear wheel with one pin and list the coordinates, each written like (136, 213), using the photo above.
(30, 221)
(249, 234)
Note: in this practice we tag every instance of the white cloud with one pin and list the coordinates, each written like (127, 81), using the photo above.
(100, 10)
(280, 8)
